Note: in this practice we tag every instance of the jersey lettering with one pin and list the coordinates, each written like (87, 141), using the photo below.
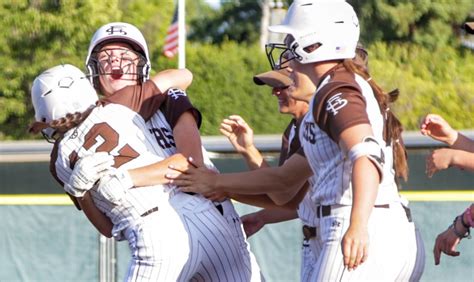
(309, 133)
(164, 137)
(103, 138)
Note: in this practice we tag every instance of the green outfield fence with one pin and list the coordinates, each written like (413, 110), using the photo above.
(44, 238)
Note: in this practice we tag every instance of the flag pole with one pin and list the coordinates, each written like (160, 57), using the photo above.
(181, 34)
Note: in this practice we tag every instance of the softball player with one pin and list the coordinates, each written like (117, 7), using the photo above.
(241, 136)
(101, 51)
(197, 242)
(351, 142)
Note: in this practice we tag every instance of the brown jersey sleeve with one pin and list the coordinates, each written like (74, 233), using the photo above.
(338, 106)
(145, 98)
(176, 104)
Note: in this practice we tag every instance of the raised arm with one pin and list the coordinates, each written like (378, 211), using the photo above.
(240, 135)
(439, 129)
(173, 78)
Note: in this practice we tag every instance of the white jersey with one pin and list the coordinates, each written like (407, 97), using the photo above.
(331, 166)
(290, 145)
(123, 137)
(395, 250)
(173, 236)
(220, 237)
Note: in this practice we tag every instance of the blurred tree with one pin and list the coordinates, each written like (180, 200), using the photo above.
(38, 35)
(235, 20)
(431, 23)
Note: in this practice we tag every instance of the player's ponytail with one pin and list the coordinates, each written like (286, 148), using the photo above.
(61, 125)
(393, 127)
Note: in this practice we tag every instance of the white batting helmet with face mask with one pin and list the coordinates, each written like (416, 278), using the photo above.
(331, 24)
(118, 32)
(59, 91)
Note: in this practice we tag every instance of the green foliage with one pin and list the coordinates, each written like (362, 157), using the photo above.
(235, 21)
(223, 85)
(430, 81)
(427, 22)
(40, 34)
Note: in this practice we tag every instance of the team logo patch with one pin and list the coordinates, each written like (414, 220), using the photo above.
(114, 29)
(335, 103)
(175, 93)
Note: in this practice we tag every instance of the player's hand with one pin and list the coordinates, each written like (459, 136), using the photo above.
(437, 128)
(355, 246)
(114, 185)
(193, 179)
(87, 171)
(438, 160)
(218, 196)
(446, 242)
(238, 132)
(252, 223)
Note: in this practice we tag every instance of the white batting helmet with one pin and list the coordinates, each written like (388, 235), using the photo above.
(118, 32)
(59, 91)
(331, 23)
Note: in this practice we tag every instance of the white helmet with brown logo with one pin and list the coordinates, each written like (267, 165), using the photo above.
(118, 32)
(331, 24)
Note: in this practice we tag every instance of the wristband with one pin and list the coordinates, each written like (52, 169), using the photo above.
(459, 235)
(470, 222)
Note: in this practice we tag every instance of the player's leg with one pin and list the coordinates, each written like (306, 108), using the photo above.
(414, 265)
(308, 261)
(237, 229)
(159, 246)
(329, 265)
(215, 253)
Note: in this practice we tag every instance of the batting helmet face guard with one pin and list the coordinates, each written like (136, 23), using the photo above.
(59, 91)
(113, 33)
(332, 25)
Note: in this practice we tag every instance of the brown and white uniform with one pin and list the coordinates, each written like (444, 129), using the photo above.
(343, 100)
(173, 236)
(306, 209)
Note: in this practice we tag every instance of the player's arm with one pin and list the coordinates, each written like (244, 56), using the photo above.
(240, 135)
(463, 143)
(78, 181)
(187, 137)
(266, 201)
(173, 78)
(253, 222)
(285, 180)
(365, 181)
(100, 221)
(155, 173)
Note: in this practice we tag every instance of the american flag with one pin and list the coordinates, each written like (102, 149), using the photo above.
(171, 41)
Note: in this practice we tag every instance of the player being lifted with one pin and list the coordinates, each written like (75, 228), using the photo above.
(172, 235)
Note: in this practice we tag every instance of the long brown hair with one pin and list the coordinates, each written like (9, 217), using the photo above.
(392, 126)
(61, 125)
